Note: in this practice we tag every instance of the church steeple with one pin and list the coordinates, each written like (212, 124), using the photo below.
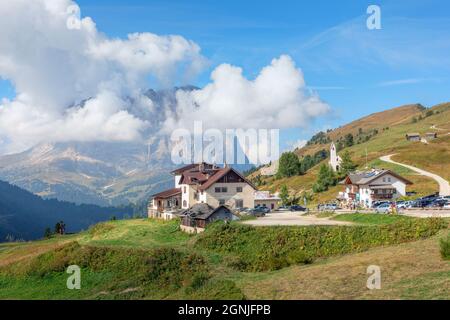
(335, 160)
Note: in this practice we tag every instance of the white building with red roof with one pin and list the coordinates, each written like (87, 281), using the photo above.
(203, 183)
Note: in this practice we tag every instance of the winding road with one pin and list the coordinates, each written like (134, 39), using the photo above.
(444, 186)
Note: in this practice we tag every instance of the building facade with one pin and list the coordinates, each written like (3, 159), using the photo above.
(204, 183)
(364, 188)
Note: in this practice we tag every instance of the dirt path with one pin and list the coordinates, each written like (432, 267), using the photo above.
(444, 186)
(292, 219)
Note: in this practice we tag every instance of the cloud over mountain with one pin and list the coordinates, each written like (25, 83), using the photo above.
(74, 83)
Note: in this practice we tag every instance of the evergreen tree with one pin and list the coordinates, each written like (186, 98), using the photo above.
(47, 233)
(346, 165)
(57, 228)
(284, 194)
(325, 179)
(289, 165)
(349, 140)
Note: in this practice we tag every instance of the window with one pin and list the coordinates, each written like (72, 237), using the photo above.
(184, 204)
(224, 189)
(184, 189)
(389, 179)
(221, 202)
(239, 203)
(217, 189)
(238, 189)
(384, 179)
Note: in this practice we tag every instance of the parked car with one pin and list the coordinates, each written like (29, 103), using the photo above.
(422, 203)
(383, 208)
(438, 203)
(329, 207)
(259, 211)
(297, 208)
(379, 203)
(283, 208)
(263, 208)
(447, 205)
(404, 204)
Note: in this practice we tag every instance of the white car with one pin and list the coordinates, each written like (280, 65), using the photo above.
(447, 205)
(405, 204)
(383, 208)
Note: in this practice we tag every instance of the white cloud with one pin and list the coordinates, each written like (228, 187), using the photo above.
(275, 99)
(53, 67)
(404, 82)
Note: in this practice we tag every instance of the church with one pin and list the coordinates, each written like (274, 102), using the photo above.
(335, 160)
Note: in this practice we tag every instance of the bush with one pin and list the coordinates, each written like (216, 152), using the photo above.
(445, 247)
(272, 248)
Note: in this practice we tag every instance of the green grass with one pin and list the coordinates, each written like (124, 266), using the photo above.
(371, 219)
(148, 259)
(445, 247)
(271, 248)
(139, 233)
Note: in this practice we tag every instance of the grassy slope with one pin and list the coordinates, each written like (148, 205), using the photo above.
(434, 157)
(408, 271)
(334, 277)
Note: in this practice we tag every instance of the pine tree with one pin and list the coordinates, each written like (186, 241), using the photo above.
(346, 165)
(289, 165)
(325, 179)
(47, 233)
(284, 194)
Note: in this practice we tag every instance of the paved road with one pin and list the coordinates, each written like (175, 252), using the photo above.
(288, 218)
(426, 213)
(444, 186)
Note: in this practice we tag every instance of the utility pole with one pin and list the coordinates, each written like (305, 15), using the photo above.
(366, 158)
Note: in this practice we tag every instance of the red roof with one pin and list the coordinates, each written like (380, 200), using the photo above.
(168, 193)
(204, 175)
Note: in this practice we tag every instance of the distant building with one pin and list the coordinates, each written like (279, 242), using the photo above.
(266, 199)
(413, 137)
(196, 218)
(430, 135)
(335, 160)
(363, 188)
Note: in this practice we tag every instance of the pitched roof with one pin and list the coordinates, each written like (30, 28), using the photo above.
(204, 175)
(190, 166)
(219, 174)
(202, 211)
(361, 178)
(167, 193)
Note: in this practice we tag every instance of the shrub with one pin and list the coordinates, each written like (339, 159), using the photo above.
(445, 247)
(272, 248)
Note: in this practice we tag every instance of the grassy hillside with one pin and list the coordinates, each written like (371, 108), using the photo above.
(148, 259)
(392, 126)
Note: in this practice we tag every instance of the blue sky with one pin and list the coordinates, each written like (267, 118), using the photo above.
(355, 70)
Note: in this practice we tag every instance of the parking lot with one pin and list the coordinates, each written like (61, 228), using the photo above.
(290, 218)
